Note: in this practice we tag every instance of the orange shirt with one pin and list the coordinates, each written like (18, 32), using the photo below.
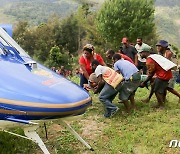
(152, 66)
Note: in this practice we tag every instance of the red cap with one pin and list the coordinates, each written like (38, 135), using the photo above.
(125, 40)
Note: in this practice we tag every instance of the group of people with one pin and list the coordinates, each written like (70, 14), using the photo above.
(123, 76)
(62, 71)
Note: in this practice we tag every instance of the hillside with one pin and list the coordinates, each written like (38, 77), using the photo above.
(167, 17)
(167, 13)
(34, 11)
(167, 3)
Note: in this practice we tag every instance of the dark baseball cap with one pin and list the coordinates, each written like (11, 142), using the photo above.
(162, 43)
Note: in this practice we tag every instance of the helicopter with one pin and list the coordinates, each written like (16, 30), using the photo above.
(31, 93)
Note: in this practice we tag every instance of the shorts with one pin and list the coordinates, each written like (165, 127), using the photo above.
(160, 85)
(129, 87)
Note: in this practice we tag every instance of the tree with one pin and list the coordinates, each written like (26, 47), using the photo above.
(58, 57)
(66, 35)
(126, 18)
(25, 37)
(44, 42)
(87, 30)
(176, 50)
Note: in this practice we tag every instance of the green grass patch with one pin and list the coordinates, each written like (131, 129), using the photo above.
(10, 144)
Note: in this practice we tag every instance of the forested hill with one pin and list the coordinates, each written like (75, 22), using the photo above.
(37, 11)
(167, 16)
(34, 11)
(168, 3)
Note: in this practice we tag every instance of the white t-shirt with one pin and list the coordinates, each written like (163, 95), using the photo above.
(138, 48)
(100, 70)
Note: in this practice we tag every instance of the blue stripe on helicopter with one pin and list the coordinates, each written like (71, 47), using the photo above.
(29, 117)
(38, 115)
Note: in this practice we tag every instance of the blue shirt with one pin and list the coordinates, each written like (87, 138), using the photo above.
(126, 68)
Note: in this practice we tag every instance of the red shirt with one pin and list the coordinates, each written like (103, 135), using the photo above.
(152, 66)
(87, 62)
(126, 58)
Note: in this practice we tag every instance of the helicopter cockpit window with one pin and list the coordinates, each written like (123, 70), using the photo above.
(6, 47)
(2, 52)
(8, 41)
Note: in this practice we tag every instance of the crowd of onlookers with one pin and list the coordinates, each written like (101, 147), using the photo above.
(65, 72)
(130, 67)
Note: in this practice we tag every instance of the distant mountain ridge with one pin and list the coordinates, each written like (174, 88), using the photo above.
(167, 13)
(167, 18)
(35, 11)
(167, 3)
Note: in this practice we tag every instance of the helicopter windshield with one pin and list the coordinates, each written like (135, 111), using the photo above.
(6, 40)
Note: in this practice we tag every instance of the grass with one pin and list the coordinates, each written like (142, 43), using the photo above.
(143, 131)
(10, 144)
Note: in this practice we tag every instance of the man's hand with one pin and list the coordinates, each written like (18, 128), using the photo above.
(87, 87)
(142, 85)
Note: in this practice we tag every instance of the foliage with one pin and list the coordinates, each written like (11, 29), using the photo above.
(23, 36)
(43, 42)
(126, 18)
(71, 33)
(38, 11)
(176, 50)
(58, 57)
(12, 144)
(87, 30)
(38, 41)
(66, 35)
